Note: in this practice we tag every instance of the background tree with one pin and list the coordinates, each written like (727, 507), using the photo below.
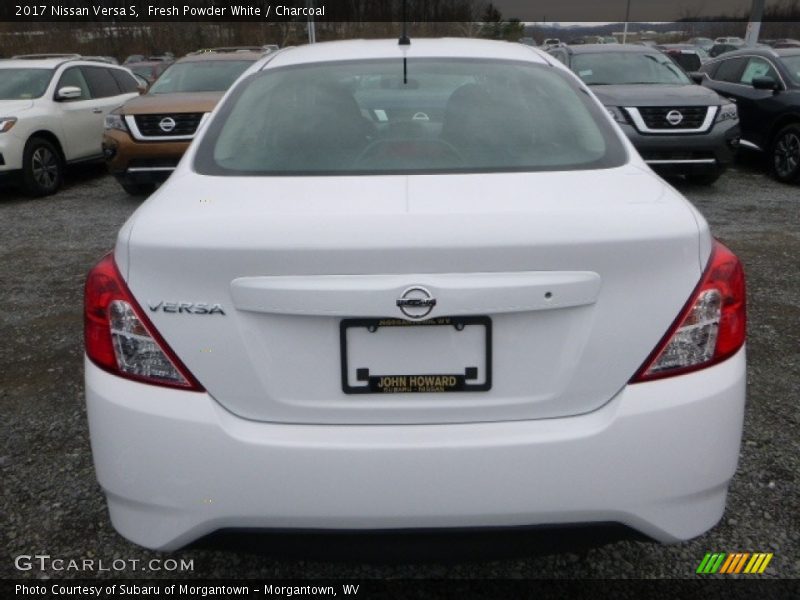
(494, 27)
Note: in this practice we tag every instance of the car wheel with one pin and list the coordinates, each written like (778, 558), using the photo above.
(139, 189)
(786, 154)
(42, 168)
(706, 178)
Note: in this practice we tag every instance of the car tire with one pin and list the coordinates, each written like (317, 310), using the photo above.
(42, 168)
(138, 189)
(709, 177)
(785, 154)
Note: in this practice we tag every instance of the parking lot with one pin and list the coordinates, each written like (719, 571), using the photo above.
(53, 505)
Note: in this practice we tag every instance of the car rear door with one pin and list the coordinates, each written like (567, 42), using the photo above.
(78, 117)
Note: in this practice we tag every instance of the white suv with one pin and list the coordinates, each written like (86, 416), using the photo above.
(52, 113)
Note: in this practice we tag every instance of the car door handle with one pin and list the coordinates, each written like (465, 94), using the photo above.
(98, 111)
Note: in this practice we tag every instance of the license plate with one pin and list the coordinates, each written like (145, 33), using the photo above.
(392, 356)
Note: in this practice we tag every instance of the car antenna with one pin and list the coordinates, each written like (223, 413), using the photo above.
(404, 39)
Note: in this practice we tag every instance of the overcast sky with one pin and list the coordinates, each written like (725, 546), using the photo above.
(583, 11)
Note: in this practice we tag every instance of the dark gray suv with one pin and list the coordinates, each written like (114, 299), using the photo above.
(679, 127)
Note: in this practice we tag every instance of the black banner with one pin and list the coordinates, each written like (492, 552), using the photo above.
(415, 11)
(461, 589)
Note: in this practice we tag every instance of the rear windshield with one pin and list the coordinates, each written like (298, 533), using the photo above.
(442, 115)
(24, 84)
(200, 76)
(623, 68)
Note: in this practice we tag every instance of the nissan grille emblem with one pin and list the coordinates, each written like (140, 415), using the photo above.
(167, 124)
(416, 303)
(674, 117)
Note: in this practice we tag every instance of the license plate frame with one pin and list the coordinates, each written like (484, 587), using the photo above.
(441, 383)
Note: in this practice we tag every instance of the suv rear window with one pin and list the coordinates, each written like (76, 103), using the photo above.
(126, 82)
(101, 82)
(443, 115)
(729, 70)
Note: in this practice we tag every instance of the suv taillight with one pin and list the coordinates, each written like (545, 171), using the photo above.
(121, 339)
(710, 328)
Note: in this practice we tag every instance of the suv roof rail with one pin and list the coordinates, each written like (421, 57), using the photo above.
(100, 59)
(229, 50)
(45, 56)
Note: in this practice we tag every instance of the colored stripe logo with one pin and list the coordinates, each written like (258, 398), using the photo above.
(734, 563)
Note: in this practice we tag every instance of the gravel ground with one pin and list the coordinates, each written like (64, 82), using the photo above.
(51, 504)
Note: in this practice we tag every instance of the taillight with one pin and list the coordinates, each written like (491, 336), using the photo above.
(121, 339)
(710, 328)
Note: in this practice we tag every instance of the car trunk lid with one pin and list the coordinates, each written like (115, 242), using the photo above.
(550, 290)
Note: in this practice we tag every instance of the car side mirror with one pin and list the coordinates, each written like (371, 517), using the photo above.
(141, 88)
(69, 92)
(697, 77)
(766, 83)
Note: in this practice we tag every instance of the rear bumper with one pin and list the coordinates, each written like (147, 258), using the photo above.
(688, 153)
(176, 466)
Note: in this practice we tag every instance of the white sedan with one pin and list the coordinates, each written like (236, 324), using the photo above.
(414, 286)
